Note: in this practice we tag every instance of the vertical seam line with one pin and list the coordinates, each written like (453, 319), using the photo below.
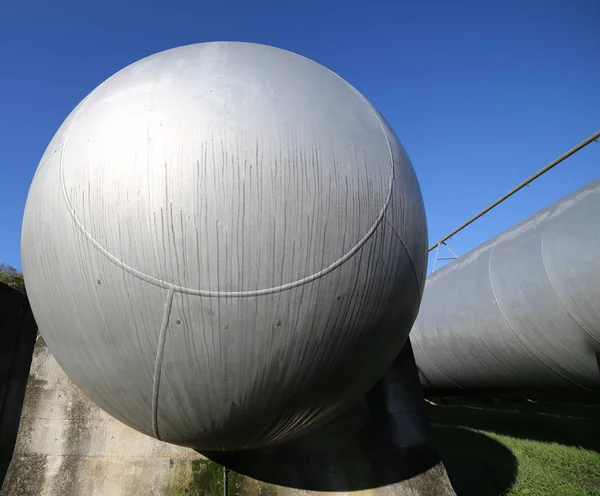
(516, 334)
(560, 300)
(409, 256)
(158, 362)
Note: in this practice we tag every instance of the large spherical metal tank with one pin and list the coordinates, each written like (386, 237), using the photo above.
(224, 245)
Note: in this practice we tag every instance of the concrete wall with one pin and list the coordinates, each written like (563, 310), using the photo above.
(67, 446)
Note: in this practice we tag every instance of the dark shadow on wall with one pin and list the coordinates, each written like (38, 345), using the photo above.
(382, 440)
(18, 332)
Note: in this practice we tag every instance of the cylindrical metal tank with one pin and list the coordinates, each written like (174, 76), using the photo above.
(520, 311)
(218, 242)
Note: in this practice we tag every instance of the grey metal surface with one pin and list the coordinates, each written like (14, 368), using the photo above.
(224, 245)
(520, 311)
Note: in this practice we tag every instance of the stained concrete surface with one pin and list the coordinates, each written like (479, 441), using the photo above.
(69, 447)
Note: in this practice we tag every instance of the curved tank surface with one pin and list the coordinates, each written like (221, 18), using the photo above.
(520, 311)
(218, 244)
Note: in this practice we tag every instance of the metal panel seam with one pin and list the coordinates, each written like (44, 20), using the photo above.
(158, 362)
(588, 332)
(515, 332)
(46, 161)
(408, 254)
(223, 294)
(232, 294)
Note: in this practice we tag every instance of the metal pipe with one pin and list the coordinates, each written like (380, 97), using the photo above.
(564, 156)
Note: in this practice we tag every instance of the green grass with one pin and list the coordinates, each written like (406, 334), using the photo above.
(206, 479)
(519, 448)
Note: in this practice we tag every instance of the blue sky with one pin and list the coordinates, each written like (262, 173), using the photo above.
(482, 94)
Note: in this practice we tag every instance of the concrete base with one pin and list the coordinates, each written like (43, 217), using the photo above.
(67, 446)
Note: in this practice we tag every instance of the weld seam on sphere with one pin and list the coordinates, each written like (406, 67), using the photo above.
(50, 155)
(158, 363)
(232, 294)
(406, 250)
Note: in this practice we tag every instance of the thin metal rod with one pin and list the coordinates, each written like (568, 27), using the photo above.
(437, 252)
(450, 250)
(225, 480)
(584, 143)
